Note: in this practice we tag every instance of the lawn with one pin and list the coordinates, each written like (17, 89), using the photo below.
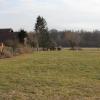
(58, 75)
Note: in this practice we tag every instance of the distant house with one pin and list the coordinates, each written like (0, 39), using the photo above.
(7, 34)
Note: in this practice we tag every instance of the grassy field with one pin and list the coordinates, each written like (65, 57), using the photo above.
(58, 75)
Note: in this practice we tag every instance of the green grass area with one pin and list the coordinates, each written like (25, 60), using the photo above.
(58, 75)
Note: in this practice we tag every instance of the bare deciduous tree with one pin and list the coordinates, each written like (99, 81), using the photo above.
(32, 40)
(73, 39)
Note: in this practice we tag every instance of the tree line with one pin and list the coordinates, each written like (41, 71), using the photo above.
(42, 37)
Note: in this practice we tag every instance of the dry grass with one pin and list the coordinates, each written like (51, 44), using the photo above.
(57, 75)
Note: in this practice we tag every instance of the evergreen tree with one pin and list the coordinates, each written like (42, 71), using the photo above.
(42, 33)
(22, 35)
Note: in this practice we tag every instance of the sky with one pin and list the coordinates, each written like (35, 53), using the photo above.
(59, 14)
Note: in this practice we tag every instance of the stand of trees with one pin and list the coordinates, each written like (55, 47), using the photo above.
(76, 38)
(51, 39)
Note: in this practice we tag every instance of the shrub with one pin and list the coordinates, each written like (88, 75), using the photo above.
(7, 53)
(59, 48)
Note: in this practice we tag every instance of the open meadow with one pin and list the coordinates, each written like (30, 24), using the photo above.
(51, 75)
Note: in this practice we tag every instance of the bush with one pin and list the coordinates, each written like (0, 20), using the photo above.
(59, 48)
(7, 53)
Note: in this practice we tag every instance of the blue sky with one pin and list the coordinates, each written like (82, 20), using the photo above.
(59, 14)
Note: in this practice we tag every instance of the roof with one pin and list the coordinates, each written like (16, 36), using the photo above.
(6, 34)
(6, 30)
